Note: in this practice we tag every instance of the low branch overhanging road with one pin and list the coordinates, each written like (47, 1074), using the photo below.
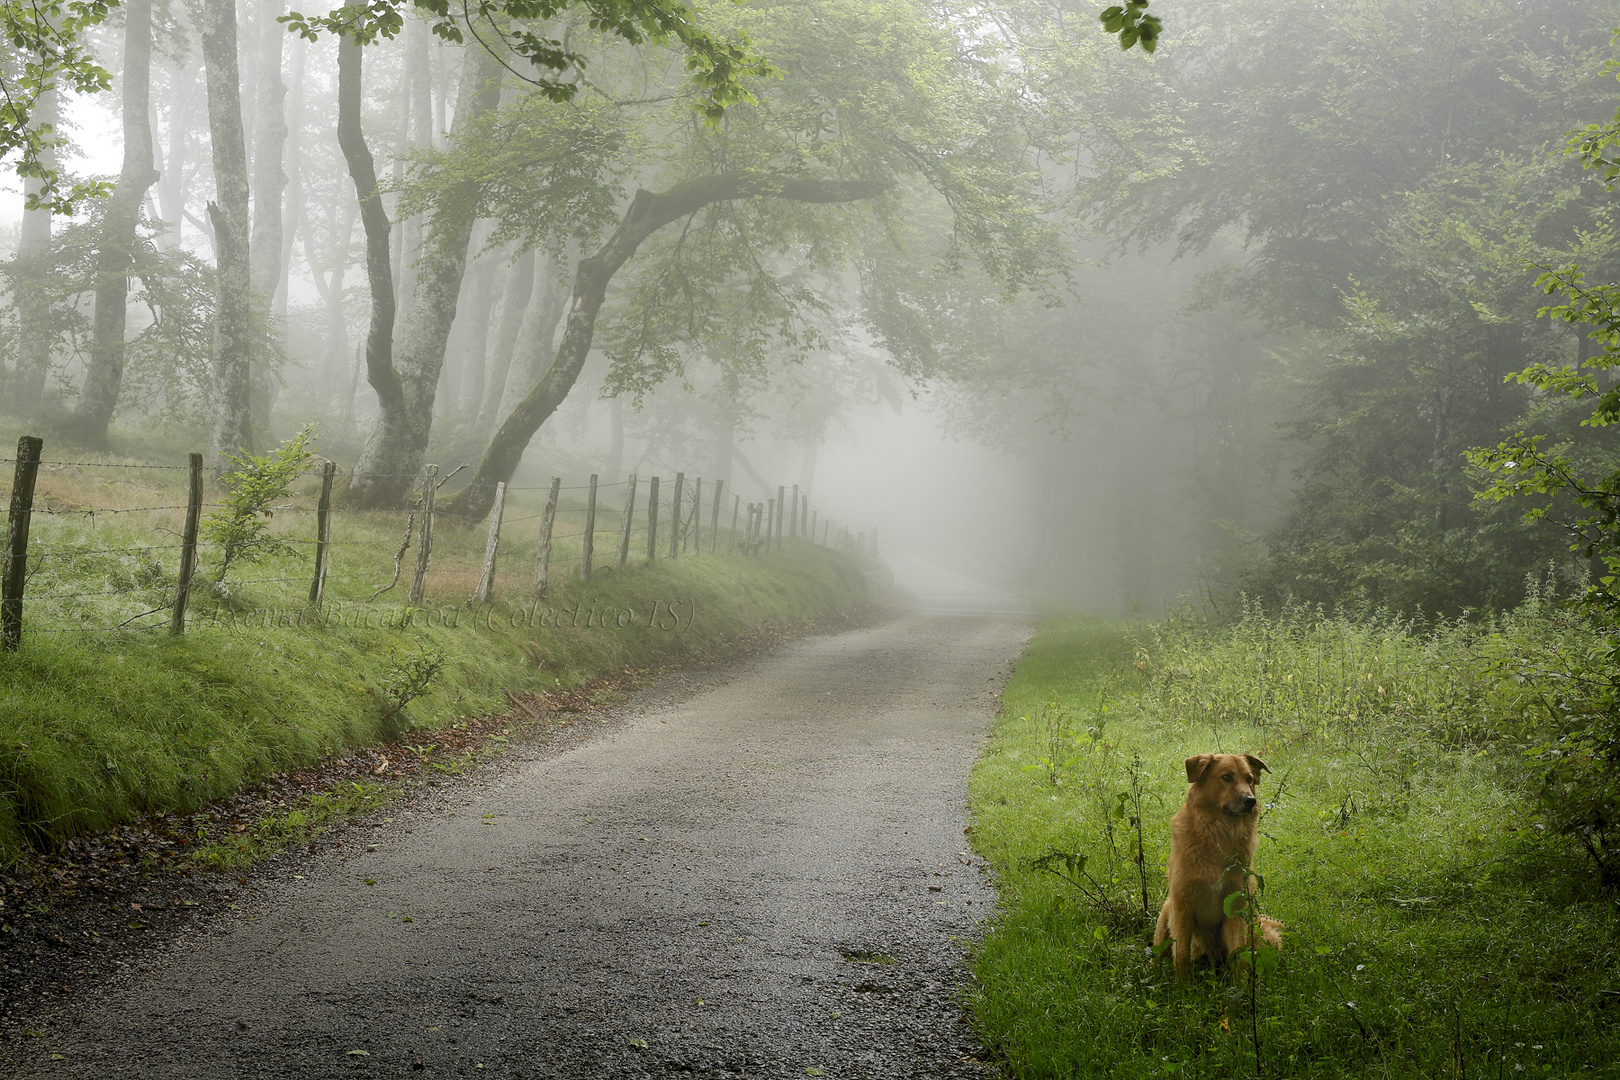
(764, 879)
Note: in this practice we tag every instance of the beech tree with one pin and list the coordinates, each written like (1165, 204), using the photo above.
(846, 126)
(232, 429)
(122, 214)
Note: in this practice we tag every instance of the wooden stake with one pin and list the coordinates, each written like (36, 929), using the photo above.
(675, 516)
(486, 580)
(14, 573)
(652, 521)
(188, 546)
(736, 504)
(770, 520)
(629, 517)
(714, 518)
(793, 529)
(697, 516)
(589, 541)
(813, 518)
(424, 543)
(781, 514)
(542, 558)
(323, 534)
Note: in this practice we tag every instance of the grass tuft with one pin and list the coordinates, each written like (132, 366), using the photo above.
(1435, 927)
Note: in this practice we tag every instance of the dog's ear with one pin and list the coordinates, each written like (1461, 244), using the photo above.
(1256, 764)
(1197, 765)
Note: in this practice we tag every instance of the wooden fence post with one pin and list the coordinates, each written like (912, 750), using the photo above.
(781, 514)
(486, 579)
(770, 523)
(697, 516)
(793, 527)
(652, 521)
(675, 515)
(629, 517)
(424, 543)
(826, 529)
(323, 535)
(714, 516)
(542, 558)
(14, 574)
(589, 541)
(188, 547)
(732, 543)
(812, 533)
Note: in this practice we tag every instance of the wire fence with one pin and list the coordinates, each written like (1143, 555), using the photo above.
(103, 547)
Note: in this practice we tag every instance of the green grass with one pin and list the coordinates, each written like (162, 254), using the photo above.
(1400, 844)
(99, 725)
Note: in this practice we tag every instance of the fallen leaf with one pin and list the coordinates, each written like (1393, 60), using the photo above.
(359, 1053)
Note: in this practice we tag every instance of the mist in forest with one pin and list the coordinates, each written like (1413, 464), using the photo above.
(1106, 329)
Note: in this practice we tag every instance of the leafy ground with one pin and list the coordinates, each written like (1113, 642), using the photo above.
(1435, 926)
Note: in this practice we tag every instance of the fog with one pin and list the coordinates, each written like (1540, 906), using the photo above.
(1098, 328)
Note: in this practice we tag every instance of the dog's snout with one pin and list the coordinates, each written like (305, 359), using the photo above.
(1248, 803)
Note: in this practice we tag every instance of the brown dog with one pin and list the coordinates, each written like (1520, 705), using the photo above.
(1212, 841)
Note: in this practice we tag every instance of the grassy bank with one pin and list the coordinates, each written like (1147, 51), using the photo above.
(1435, 927)
(100, 723)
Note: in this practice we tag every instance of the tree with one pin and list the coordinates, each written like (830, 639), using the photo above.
(48, 54)
(105, 375)
(233, 328)
(825, 164)
(1387, 180)
(394, 451)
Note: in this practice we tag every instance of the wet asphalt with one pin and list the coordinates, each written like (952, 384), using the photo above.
(768, 878)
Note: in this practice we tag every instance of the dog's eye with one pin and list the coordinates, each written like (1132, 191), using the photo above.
(1227, 778)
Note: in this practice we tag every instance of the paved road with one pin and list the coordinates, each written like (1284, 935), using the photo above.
(765, 879)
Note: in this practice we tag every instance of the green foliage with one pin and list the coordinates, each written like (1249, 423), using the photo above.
(166, 356)
(1402, 840)
(48, 54)
(717, 65)
(241, 527)
(407, 679)
(1133, 25)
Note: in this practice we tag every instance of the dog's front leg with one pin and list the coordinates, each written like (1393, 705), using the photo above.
(1181, 937)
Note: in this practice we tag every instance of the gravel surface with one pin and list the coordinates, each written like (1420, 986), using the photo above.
(762, 876)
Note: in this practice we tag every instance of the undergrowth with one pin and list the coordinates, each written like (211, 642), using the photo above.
(1439, 923)
(105, 726)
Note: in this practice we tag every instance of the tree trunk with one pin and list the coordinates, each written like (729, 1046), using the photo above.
(514, 303)
(172, 189)
(33, 308)
(648, 213)
(615, 437)
(807, 469)
(270, 141)
(296, 204)
(536, 333)
(116, 256)
(233, 319)
(482, 299)
(335, 361)
(379, 350)
(397, 444)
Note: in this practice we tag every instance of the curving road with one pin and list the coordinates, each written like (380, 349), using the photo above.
(766, 879)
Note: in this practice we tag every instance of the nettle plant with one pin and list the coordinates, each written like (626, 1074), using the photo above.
(241, 526)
